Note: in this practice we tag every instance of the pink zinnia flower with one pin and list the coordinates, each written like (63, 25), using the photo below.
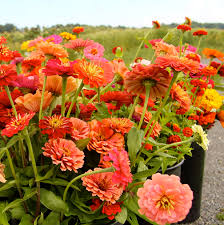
(22, 81)
(79, 129)
(94, 51)
(164, 199)
(101, 185)
(121, 163)
(64, 152)
(78, 44)
(54, 38)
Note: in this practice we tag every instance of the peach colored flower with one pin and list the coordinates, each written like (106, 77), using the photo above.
(54, 84)
(64, 152)
(178, 94)
(121, 163)
(148, 116)
(178, 64)
(157, 77)
(119, 67)
(104, 139)
(80, 129)
(2, 175)
(31, 102)
(118, 125)
(101, 185)
(165, 49)
(79, 44)
(49, 48)
(164, 199)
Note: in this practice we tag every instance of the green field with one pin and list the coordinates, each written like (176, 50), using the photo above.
(128, 38)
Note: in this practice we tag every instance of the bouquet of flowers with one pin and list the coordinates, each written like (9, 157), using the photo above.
(85, 140)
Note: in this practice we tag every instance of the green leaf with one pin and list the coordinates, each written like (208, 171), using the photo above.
(132, 218)
(102, 111)
(134, 142)
(12, 141)
(151, 140)
(163, 154)
(18, 212)
(18, 201)
(52, 219)
(142, 167)
(26, 220)
(132, 204)
(47, 175)
(39, 220)
(65, 222)
(3, 216)
(2, 151)
(81, 144)
(8, 185)
(52, 201)
(146, 173)
(122, 216)
(60, 182)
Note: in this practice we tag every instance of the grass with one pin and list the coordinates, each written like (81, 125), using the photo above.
(129, 39)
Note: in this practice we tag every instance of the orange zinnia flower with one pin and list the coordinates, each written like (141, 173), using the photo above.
(159, 78)
(118, 125)
(179, 64)
(119, 67)
(64, 152)
(213, 53)
(31, 66)
(31, 102)
(79, 129)
(163, 48)
(155, 24)
(220, 116)
(103, 139)
(49, 48)
(7, 74)
(101, 185)
(94, 73)
(208, 71)
(178, 94)
(78, 30)
(54, 84)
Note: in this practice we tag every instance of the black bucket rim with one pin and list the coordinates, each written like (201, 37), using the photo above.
(173, 167)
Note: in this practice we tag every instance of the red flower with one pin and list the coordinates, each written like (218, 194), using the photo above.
(183, 27)
(217, 65)
(5, 54)
(200, 33)
(194, 56)
(7, 74)
(122, 176)
(206, 118)
(176, 128)
(187, 132)
(89, 93)
(31, 66)
(2, 40)
(154, 41)
(142, 101)
(56, 67)
(16, 125)
(86, 111)
(111, 209)
(117, 48)
(64, 152)
(55, 126)
(193, 117)
(208, 71)
(155, 24)
(78, 30)
(173, 139)
(119, 97)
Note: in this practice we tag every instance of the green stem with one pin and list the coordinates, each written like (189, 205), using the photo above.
(139, 47)
(42, 98)
(33, 161)
(147, 92)
(110, 169)
(64, 83)
(52, 105)
(181, 42)
(74, 99)
(171, 145)
(11, 101)
(98, 92)
(22, 152)
(16, 180)
(198, 46)
(116, 78)
(133, 107)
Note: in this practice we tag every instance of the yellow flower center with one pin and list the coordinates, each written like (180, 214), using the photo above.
(165, 203)
(55, 122)
(67, 152)
(2, 73)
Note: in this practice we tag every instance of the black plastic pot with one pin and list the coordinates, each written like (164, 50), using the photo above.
(192, 174)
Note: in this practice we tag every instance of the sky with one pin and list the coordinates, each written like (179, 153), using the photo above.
(131, 13)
